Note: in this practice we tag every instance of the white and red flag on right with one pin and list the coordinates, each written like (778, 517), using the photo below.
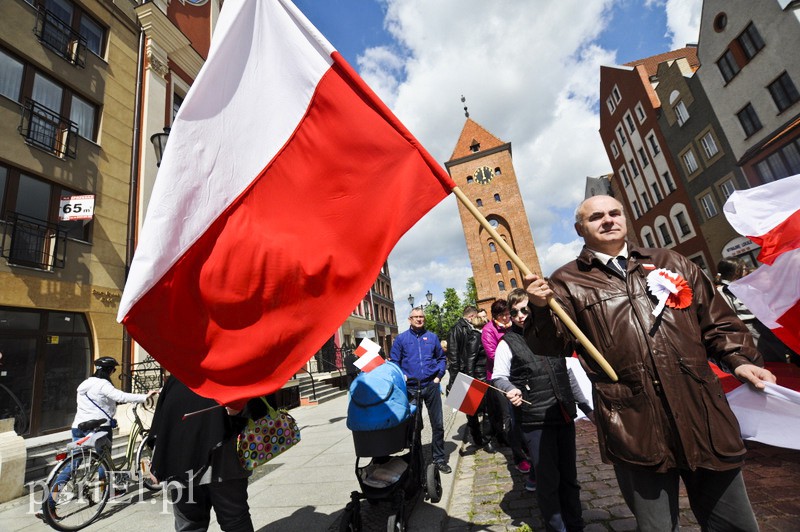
(466, 394)
(770, 216)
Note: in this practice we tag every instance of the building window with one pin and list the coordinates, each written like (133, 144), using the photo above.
(640, 112)
(615, 94)
(475, 147)
(681, 113)
(634, 169)
(513, 283)
(621, 135)
(509, 266)
(501, 286)
(624, 174)
(496, 268)
(709, 207)
(648, 237)
(666, 238)
(479, 202)
(612, 105)
(656, 192)
(780, 164)
(646, 202)
(653, 144)
(470, 179)
(629, 121)
(683, 225)
(497, 197)
(727, 188)
(783, 92)
(177, 101)
(497, 171)
(750, 41)
(749, 120)
(10, 76)
(643, 157)
(728, 66)
(690, 162)
(492, 247)
(636, 210)
(668, 180)
(67, 30)
(614, 150)
(709, 146)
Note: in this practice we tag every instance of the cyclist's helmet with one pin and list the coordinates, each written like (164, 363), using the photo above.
(106, 362)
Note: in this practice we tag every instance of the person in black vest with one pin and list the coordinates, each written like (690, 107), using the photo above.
(539, 388)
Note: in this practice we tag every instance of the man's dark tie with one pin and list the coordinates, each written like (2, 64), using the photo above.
(620, 265)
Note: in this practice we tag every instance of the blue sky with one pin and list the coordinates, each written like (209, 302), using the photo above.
(530, 73)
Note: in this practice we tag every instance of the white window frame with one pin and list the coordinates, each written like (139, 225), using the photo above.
(709, 145)
(681, 113)
(709, 205)
(690, 162)
(640, 112)
(614, 149)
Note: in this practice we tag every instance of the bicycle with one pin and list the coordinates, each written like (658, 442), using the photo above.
(81, 483)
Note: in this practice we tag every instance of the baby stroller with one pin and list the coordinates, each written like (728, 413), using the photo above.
(387, 432)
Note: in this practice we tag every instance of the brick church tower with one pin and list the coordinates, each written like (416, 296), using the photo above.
(481, 166)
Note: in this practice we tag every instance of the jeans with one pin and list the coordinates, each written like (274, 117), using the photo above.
(432, 396)
(552, 450)
(64, 474)
(192, 507)
(718, 498)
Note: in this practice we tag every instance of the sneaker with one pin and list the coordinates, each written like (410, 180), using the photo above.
(530, 485)
(524, 467)
(443, 467)
(489, 447)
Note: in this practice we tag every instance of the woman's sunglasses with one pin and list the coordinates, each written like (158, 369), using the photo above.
(524, 311)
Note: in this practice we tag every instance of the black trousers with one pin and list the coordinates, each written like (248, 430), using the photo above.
(192, 507)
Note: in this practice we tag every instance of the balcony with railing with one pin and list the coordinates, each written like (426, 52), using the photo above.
(48, 130)
(33, 243)
(60, 37)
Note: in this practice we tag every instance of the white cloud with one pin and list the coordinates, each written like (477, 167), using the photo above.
(530, 73)
(683, 21)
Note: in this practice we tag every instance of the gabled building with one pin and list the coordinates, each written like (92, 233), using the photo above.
(644, 170)
(751, 72)
(708, 169)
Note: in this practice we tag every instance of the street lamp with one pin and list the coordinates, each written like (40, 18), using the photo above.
(159, 141)
(411, 300)
(429, 297)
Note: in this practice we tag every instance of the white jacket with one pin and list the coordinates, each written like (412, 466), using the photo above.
(105, 395)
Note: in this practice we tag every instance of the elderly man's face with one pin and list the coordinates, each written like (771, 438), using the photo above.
(602, 224)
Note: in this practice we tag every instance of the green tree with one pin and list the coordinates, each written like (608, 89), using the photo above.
(471, 295)
(440, 317)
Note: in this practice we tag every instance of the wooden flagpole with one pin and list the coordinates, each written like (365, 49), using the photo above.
(556, 308)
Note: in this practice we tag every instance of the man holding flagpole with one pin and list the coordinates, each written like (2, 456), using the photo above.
(658, 319)
(419, 354)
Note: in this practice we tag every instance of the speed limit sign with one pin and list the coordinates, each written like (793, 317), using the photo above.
(76, 208)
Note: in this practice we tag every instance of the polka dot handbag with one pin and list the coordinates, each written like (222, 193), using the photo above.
(265, 438)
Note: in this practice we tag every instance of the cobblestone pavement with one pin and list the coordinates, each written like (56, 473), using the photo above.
(489, 493)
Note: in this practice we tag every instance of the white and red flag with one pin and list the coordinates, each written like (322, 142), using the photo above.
(369, 361)
(466, 394)
(366, 346)
(770, 216)
(253, 250)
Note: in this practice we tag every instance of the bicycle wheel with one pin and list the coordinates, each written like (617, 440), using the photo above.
(75, 501)
(144, 456)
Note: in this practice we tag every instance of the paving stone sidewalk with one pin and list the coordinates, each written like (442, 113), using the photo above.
(489, 493)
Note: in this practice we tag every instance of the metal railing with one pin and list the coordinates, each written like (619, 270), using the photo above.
(33, 243)
(60, 37)
(48, 130)
(146, 375)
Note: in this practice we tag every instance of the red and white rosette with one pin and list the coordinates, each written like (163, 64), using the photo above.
(670, 289)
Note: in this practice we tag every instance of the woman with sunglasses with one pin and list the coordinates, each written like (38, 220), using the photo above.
(539, 389)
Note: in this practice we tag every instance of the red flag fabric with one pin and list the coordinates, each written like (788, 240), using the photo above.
(466, 394)
(253, 250)
(366, 346)
(770, 215)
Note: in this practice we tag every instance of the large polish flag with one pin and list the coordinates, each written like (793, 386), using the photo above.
(770, 216)
(284, 186)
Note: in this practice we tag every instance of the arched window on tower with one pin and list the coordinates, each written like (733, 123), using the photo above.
(479, 202)
(509, 267)
(497, 171)
(501, 285)
(513, 283)
(497, 197)
(496, 268)
(492, 247)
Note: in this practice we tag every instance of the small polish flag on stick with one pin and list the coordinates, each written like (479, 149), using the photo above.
(367, 346)
(369, 361)
(466, 394)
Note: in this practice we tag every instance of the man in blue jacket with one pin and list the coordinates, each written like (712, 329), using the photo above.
(419, 354)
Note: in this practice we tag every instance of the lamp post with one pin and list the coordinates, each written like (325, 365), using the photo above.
(429, 297)
(411, 300)
(159, 141)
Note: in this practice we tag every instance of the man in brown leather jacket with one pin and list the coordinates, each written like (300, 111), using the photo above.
(667, 417)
